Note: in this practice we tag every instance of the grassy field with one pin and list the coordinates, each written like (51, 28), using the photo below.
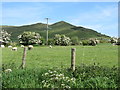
(45, 57)
(49, 67)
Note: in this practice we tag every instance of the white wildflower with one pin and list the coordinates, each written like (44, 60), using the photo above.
(61, 75)
(43, 81)
(54, 71)
(67, 77)
(67, 87)
(68, 80)
(56, 77)
(62, 84)
(50, 72)
(73, 79)
(46, 74)
(8, 70)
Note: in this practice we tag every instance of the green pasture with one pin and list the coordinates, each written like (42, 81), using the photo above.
(60, 56)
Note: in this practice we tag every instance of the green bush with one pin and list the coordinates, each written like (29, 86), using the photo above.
(50, 42)
(75, 41)
(85, 42)
(42, 41)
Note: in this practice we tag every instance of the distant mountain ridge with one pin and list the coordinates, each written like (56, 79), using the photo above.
(61, 27)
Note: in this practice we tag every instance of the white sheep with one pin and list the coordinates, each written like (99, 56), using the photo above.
(9, 46)
(8, 70)
(14, 48)
(114, 44)
(97, 41)
(2, 46)
(22, 46)
(30, 47)
(50, 46)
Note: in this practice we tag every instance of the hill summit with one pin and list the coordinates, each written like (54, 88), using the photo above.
(61, 27)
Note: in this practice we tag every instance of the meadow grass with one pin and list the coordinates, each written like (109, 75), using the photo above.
(41, 59)
(45, 57)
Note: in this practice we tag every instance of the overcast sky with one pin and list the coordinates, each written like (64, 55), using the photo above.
(100, 16)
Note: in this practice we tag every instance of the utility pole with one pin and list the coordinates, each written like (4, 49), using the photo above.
(47, 32)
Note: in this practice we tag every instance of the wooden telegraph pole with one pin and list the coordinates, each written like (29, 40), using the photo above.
(73, 50)
(47, 32)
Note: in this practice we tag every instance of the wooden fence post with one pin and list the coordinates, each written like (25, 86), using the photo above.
(73, 50)
(24, 58)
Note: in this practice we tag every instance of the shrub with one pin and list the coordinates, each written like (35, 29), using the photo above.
(62, 40)
(75, 41)
(50, 42)
(29, 38)
(42, 41)
(85, 42)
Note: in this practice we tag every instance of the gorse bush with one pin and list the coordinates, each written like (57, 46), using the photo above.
(85, 76)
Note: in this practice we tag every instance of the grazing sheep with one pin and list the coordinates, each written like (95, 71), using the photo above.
(92, 42)
(97, 41)
(114, 44)
(9, 46)
(50, 46)
(2, 46)
(22, 46)
(30, 47)
(8, 70)
(14, 48)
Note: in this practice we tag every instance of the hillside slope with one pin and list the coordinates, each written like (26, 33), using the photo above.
(56, 28)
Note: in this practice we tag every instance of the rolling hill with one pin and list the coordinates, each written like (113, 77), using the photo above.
(61, 27)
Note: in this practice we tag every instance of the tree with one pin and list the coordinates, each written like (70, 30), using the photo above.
(57, 39)
(28, 38)
(62, 40)
(4, 37)
(65, 41)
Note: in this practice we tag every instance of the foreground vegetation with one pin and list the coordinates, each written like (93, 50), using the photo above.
(85, 76)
